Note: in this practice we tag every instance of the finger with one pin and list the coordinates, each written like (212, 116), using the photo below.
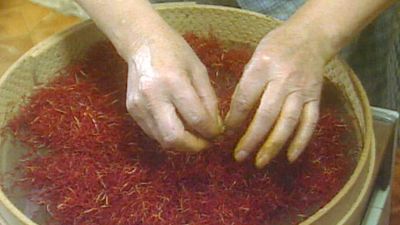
(146, 122)
(202, 85)
(284, 127)
(135, 106)
(191, 108)
(247, 93)
(266, 114)
(172, 132)
(309, 119)
(142, 117)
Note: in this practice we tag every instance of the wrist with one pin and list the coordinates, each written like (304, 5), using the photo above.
(321, 42)
(137, 35)
(302, 42)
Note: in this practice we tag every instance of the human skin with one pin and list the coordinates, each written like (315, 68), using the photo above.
(169, 92)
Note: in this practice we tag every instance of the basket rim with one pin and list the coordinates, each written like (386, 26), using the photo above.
(37, 49)
(367, 152)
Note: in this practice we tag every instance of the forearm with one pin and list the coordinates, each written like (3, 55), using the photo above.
(331, 24)
(126, 23)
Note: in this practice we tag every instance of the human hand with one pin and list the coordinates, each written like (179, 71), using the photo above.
(285, 77)
(169, 93)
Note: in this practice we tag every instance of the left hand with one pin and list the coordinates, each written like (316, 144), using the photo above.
(285, 77)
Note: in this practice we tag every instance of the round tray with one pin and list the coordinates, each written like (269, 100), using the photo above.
(39, 64)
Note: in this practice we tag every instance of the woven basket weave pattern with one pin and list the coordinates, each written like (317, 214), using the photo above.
(227, 24)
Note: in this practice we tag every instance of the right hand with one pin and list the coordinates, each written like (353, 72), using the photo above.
(169, 93)
(283, 80)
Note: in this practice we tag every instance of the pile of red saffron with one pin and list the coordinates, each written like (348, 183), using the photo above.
(99, 168)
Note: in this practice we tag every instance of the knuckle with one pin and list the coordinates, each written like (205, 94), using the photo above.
(173, 77)
(265, 112)
(147, 92)
(255, 67)
(198, 119)
(291, 119)
(171, 139)
(210, 100)
(242, 104)
(147, 87)
(265, 58)
(259, 129)
(300, 94)
(132, 104)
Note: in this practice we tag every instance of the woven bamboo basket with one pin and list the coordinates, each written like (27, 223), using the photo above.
(227, 24)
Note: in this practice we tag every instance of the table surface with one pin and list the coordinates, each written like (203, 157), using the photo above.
(24, 24)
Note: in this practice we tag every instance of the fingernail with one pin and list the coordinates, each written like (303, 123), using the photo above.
(262, 161)
(220, 124)
(293, 155)
(241, 155)
(201, 146)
